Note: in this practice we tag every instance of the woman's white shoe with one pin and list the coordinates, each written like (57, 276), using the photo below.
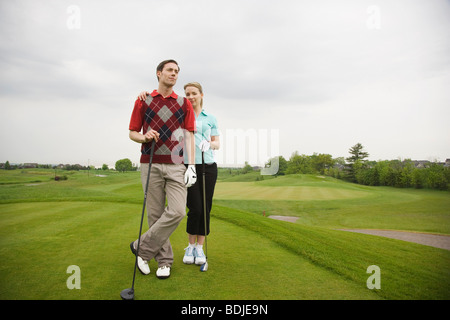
(200, 257)
(189, 255)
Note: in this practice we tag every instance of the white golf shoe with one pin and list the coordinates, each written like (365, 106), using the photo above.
(163, 272)
(189, 255)
(200, 257)
(143, 266)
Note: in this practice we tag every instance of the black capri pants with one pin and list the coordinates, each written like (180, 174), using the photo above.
(195, 217)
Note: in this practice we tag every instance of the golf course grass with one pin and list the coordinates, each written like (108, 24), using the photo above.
(89, 221)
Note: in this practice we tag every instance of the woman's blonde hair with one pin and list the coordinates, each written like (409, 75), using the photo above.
(195, 85)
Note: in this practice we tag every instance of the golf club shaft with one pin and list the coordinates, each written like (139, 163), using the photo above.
(143, 210)
(204, 202)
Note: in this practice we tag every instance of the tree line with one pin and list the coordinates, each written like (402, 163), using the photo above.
(120, 165)
(356, 168)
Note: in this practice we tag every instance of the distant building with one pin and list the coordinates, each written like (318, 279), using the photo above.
(447, 163)
(30, 165)
(421, 163)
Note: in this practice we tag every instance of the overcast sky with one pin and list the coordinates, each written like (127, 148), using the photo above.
(307, 76)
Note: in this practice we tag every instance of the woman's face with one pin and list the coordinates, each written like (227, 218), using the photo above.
(194, 96)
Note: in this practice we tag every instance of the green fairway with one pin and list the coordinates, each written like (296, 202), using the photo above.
(336, 204)
(256, 191)
(47, 226)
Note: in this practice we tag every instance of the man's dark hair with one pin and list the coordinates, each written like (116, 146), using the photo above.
(160, 66)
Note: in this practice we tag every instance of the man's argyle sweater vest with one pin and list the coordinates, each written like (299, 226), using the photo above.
(167, 117)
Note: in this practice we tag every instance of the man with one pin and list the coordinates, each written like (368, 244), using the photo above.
(166, 118)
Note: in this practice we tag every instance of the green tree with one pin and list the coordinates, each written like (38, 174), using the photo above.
(299, 164)
(321, 161)
(105, 167)
(124, 165)
(282, 166)
(436, 177)
(406, 174)
(357, 153)
(356, 160)
(248, 168)
(418, 178)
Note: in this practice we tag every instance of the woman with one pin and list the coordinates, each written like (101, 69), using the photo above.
(206, 140)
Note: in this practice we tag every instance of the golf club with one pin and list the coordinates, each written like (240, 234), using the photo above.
(204, 267)
(128, 294)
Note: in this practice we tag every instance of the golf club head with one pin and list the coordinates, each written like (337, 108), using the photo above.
(204, 267)
(127, 294)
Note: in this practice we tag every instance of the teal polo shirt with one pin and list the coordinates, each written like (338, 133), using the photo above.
(206, 125)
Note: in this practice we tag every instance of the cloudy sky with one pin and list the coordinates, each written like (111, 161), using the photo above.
(307, 76)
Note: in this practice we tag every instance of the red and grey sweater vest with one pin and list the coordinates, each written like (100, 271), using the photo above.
(167, 116)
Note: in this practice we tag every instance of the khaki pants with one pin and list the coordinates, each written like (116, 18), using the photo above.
(166, 180)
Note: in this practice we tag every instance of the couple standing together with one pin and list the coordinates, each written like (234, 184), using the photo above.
(182, 130)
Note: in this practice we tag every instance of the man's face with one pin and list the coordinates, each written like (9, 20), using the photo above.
(169, 75)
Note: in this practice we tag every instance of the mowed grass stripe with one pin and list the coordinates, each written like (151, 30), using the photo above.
(254, 191)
